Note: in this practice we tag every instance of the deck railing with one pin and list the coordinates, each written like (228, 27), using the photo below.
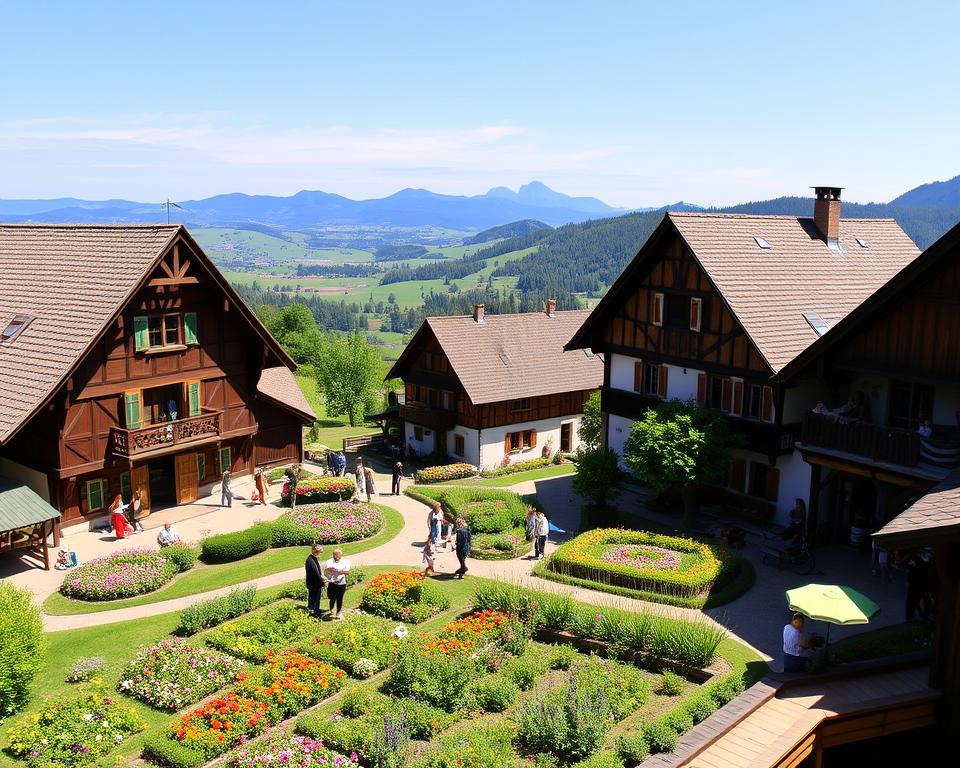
(193, 429)
(894, 446)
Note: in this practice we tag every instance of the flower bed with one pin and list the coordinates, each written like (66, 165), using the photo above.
(404, 596)
(290, 683)
(253, 637)
(220, 724)
(316, 490)
(499, 546)
(332, 523)
(74, 731)
(644, 562)
(121, 574)
(361, 638)
(520, 466)
(443, 473)
(279, 473)
(172, 674)
(290, 750)
(485, 637)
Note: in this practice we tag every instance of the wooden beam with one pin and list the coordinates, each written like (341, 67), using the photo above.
(160, 282)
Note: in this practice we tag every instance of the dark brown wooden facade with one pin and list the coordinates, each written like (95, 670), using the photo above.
(167, 417)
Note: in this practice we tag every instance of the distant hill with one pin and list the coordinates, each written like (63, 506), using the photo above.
(514, 229)
(310, 210)
(944, 194)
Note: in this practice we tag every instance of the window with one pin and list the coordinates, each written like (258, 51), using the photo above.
(201, 465)
(516, 441)
(658, 309)
(126, 492)
(445, 401)
(566, 432)
(715, 393)
(96, 494)
(695, 306)
(171, 330)
(677, 311)
(523, 404)
(159, 331)
(764, 481)
(14, 327)
(418, 434)
(417, 394)
(458, 445)
(225, 459)
(651, 380)
(754, 407)
(910, 403)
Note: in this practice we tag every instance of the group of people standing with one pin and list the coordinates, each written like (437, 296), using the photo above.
(441, 530)
(125, 518)
(331, 574)
(538, 528)
(336, 463)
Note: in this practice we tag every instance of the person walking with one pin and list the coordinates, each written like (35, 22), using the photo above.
(397, 473)
(361, 481)
(369, 483)
(429, 553)
(260, 481)
(541, 531)
(314, 580)
(336, 568)
(226, 495)
(292, 474)
(530, 524)
(434, 519)
(463, 546)
(117, 517)
(133, 511)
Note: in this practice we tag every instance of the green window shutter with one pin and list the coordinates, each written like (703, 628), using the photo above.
(193, 398)
(132, 401)
(225, 460)
(201, 466)
(126, 492)
(190, 328)
(95, 494)
(141, 333)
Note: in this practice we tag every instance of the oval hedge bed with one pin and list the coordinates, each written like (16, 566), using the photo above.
(650, 566)
(316, 490)
(332, 523)
(126, 573)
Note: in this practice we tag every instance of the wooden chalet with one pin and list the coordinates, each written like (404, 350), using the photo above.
(714, 306)
(127, 361)
(495, 389)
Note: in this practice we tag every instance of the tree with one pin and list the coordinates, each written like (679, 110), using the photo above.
(678, 446)
(22, 647)
(598, 476)
(591, 424)
(349, 376)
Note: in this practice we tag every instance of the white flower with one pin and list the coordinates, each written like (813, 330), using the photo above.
(126, 684)
(118, 737)
(400, 632)
(99, 737)
(88, 716)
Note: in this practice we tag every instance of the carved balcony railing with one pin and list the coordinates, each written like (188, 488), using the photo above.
(130, 443)
(894, 446)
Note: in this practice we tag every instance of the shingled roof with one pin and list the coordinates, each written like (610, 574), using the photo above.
(935, 516)
(769, 288)
(512, 356)
(279, 385)
(69, 281)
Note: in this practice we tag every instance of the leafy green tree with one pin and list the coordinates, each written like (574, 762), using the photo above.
(349, 374)
(598, 477)
(679, 446)
(22, 647)
(591, 424)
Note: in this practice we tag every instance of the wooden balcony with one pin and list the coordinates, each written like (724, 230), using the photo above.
(869, 441)
(160, 438)
(425, 416)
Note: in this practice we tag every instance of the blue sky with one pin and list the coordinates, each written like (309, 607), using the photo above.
(633, 102)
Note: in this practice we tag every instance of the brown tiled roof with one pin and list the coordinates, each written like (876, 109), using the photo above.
(512, 356)
(279, 385)
(70, 280)
(935, 515)
(770, 289)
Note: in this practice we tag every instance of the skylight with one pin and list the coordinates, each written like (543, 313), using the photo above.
(862, 243)
(762, 243)
(819, 325)
(14, 327)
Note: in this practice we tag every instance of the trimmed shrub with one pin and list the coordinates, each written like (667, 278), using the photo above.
(660, 737)
(680, 720)
(494, 694)
(317, 490)
(633, 749)
(444, 473)
(520, 466)
(671, 684)
(216, 610)
(524, 671)
(332, 523)
(279, 473)
(226, 547)
(603, 760)
(486, 510)
(171, 754)
(345, 735)
(700, 708)
(182, 555)
(22, 646)
(563, 657)
(500, 546)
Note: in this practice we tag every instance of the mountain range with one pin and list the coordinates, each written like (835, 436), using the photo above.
(310, 209)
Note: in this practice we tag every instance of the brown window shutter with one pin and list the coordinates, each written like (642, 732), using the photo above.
(506, 443)
(726, 395)
(737, 398)
(773, 483)
(658, 309)
(767, 414)
(662, 384)
(638, 375)
(695, 314)
(738, 474)
(701, 389)
(533, 438)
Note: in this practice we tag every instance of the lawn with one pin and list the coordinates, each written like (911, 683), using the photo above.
(896, 640)
(203, 578)
(331, 430)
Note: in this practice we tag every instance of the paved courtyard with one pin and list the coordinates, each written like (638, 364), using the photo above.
(757, 618)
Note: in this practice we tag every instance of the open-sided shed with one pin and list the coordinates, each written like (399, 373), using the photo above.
(27, 521)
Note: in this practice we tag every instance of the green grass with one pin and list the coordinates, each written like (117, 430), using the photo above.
(204, 578)
(332, 431)
(896, 640)
(226, 244)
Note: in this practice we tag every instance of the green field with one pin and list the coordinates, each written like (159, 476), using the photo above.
(223, 244)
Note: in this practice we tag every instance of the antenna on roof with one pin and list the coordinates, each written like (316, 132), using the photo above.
(167, 205)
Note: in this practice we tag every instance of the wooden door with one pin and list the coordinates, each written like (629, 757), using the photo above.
(441, 442)
(565, 430)
(188, 484)
(140, 479)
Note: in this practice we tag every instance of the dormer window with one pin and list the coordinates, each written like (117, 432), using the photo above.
(14, 327)
(168, 331)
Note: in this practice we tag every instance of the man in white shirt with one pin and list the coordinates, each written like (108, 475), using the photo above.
(794, 644)
(336, 570)
(167, 536)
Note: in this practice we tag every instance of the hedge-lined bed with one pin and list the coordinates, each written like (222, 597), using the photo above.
(650, 566)
(127, 573)
(315, 490)
(443, 473)
(495, 517)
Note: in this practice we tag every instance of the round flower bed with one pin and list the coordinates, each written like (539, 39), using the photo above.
(172, 674)
(319, 489)
(333, 523)
(403, 595)
(290, 750)
(122, 574)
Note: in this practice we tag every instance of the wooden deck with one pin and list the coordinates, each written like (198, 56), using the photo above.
(798, 721)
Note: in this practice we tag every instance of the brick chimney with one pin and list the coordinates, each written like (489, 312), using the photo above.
(551, 307)
(478, 313)
(826, 214)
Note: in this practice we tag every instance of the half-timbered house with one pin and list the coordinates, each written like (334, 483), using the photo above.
(495, 389)
(127, 361)
(715, 305)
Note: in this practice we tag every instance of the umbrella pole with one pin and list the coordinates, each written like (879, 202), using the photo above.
(826, 646)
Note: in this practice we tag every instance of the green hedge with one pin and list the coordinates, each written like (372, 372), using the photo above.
(171, 754)
(226, 547)
(216, 610)
(22, 646)
(486, 510)
(520, 466)
(182, 555)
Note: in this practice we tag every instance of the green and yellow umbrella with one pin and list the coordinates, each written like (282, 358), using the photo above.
(832, 603)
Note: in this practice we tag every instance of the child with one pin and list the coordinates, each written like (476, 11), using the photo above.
(429, 552)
